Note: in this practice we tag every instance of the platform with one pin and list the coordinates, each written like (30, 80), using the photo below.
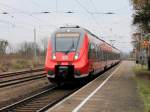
(115, 91)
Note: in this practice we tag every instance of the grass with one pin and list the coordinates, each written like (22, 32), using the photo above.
(138, 68)
(143, 82)
(13, 64)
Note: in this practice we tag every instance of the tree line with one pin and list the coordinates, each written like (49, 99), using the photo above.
(141, 37)
(24, 49)
(142, 14)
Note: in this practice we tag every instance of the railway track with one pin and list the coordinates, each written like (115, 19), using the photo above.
(39, 102)
(10, 74)
(12, 78)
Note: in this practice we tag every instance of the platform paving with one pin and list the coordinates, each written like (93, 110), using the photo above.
(118, 93)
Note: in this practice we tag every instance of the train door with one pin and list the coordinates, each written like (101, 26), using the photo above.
(91, 56)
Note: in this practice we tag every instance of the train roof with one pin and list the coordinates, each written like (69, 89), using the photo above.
(81, 28)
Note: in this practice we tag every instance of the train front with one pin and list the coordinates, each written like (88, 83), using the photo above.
(67, 55)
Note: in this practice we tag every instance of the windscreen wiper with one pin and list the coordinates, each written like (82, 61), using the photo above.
(71, 47)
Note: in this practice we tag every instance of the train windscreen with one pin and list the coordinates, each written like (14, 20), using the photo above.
(66, 42)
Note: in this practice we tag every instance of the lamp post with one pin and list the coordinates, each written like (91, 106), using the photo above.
(35, 48)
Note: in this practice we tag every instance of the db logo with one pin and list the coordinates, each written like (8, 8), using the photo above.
(65, 57)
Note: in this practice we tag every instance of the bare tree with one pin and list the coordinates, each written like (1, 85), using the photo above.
(27, 49)
(3, 46)
(44, 43)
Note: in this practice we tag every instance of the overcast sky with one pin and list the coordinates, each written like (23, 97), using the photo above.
(18, 18)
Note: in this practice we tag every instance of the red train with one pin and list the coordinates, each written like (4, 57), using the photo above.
(75, 53)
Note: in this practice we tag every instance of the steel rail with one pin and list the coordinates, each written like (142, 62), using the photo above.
(39, 102)
(21, 80)
(9, 74)
(16, 104)
(13, 78)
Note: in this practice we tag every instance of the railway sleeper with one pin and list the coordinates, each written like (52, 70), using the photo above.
(25, 110)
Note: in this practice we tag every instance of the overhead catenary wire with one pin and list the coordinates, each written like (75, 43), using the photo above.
(22, 27)
(14, 25)
(96, 11)
(19, 11)
(56, 5)
(91, 14)
(6, 22)
(24, 12)
(35, 3)
(83, 7)
(87, 11)
(94, 5)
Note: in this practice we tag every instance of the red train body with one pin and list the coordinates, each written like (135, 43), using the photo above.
(75, 53)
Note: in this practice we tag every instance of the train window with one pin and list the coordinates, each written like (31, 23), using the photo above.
(90, 51)
(107, 55)
(71, 34)
(110, 56)
(104, 56)
(92, 46)
(101, 56)
(66, 42)
(94, 52)
(113, 56)
(99, 53)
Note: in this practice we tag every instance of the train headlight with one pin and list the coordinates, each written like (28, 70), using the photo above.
(76, 56)
(53, 57)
